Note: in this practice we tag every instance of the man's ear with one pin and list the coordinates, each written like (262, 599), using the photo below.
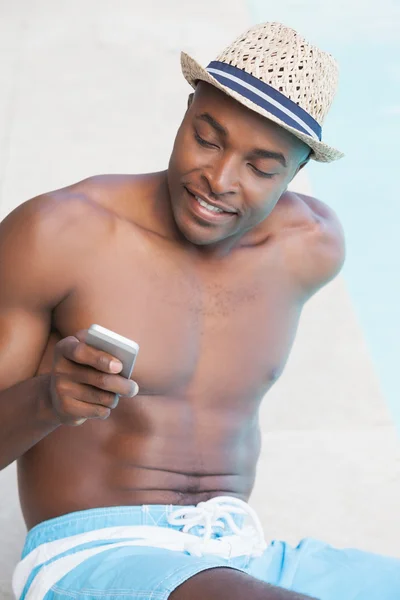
(302, 164)
(190, 100)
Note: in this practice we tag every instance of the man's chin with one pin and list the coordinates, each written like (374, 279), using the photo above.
(198, 238)
(196, 233)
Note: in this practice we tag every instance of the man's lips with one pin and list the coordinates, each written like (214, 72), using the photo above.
(207, 215)
(216, 204)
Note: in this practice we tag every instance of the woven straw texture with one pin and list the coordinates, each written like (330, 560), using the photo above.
(280, 57)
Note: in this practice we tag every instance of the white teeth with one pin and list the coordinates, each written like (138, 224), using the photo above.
(208, 206)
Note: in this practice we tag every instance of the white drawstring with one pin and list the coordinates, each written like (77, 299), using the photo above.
(212, 514)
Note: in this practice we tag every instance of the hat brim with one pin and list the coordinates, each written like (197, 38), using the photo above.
(193, 72)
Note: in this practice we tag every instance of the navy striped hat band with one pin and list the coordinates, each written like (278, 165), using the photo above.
(266, 97)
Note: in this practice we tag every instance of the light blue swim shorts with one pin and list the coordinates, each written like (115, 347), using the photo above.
(146, 552)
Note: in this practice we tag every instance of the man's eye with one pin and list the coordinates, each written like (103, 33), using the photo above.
(261, 173)
(203, 142)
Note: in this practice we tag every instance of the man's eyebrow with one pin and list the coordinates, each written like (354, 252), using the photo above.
(211, 121)
(261, 153)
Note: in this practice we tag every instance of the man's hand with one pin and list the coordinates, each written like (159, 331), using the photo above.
(84, 381)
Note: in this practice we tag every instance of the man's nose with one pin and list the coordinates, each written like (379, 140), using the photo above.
(222, 176)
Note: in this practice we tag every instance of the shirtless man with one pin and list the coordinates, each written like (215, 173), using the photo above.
(207, 266)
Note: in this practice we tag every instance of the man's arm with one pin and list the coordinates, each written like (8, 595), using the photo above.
(35, 275)
(315, 247)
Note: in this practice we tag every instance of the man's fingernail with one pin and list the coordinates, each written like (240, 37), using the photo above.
(135, 389)
(115, 366)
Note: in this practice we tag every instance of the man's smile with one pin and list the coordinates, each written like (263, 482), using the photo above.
(209, 210)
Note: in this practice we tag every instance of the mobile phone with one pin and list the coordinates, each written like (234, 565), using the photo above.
(122, 348)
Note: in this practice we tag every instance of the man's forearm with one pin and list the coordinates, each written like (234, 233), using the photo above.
(26, 417)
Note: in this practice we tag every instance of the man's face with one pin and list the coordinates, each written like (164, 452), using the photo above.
(232, 158)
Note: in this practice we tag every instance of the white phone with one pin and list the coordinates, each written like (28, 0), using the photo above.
(124, 349)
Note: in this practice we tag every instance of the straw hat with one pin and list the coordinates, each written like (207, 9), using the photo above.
(272, 70)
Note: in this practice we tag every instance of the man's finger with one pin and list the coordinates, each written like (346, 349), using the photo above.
(83, 354)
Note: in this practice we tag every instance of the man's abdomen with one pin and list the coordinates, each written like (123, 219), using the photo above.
(161, 452)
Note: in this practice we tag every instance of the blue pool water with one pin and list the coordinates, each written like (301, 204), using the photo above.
(364, 123)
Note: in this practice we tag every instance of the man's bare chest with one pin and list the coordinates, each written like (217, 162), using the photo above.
(202, 331)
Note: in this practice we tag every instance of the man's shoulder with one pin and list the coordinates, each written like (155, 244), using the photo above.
(129, 198)
(72, 216)
(107, 192)
(297, 212)
(42, 243)
(313, 239)
(84, 206)
(99, 187)
(45, 241)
